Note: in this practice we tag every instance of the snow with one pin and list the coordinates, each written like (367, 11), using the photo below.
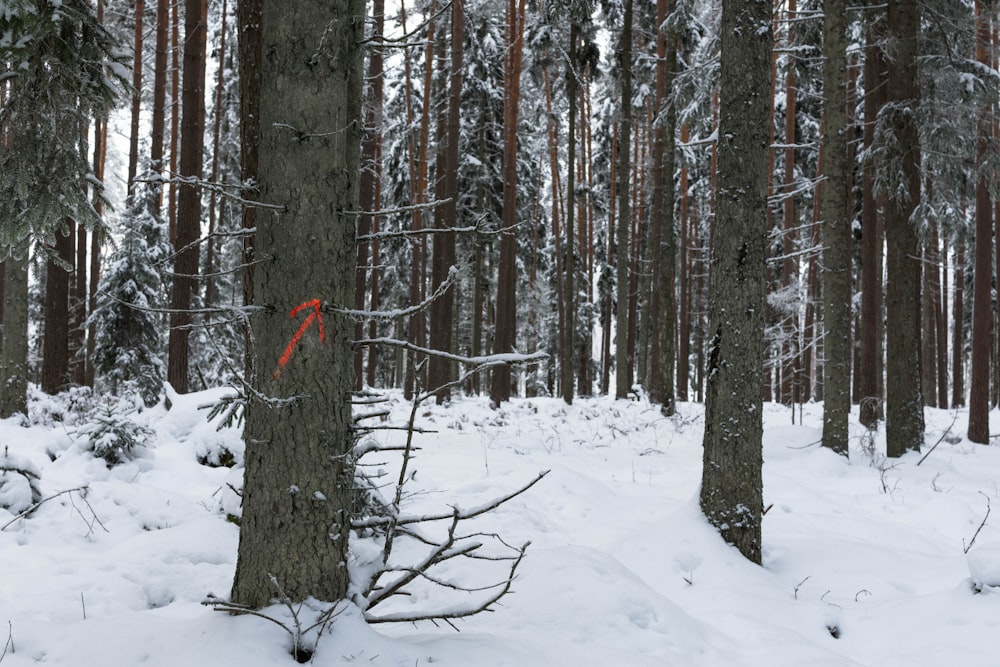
(864, 560)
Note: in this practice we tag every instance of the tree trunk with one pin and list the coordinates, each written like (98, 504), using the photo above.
(836, 228)
(958, 340)
(371, 172)
(569, 265)
(506, 305)
(684, 283)
(133, 144)
(623, 378)
(663, 307)
(55, 350)
(731, 489)
(187, 259)
(14, 388)
(439, 370)
(870, 407)
(249, 45)
(299, 477)
(159, 86)
(904, 407)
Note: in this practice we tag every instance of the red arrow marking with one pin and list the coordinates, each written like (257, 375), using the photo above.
(315, 315)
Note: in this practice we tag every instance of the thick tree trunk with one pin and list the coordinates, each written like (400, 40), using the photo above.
(55, 349)
(187, 259)
(731, 489)
(299, 478)
(904, 405)
(836, 228)
(14, 386)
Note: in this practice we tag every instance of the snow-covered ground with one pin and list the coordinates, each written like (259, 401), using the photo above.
(863, 560)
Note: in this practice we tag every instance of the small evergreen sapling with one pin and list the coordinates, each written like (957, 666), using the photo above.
(112, 434)
(128, 324)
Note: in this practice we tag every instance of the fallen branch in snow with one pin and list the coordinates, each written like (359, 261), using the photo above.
(10, 642)
(82, 490)
(982, 523)
(940, 440)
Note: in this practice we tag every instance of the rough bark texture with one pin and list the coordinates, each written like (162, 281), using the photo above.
(904, 405)
(731, 489)
(870, 407)
(982, 307)
(14, 390)
(55, 347)
(566, 375)
(248, 21)
(664, 241)
(371, 171)
(623, 379)
(440, 370)
(836, 227)
(298, 478)
(187, 260)
(506, 307)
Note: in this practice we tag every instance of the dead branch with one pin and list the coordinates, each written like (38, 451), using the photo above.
(28, 512)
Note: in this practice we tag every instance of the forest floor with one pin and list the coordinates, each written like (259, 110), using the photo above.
(864, 560)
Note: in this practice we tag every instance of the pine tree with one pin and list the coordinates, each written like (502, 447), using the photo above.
(128, 327)
(731, 490)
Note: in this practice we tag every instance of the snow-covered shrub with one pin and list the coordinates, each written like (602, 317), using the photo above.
(19, 480)
(69, 407)
(112, 433)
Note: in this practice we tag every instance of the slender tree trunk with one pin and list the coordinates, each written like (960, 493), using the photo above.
(96, 242)
(211, 244)
(789, 270)
(133, 144)
(731, 489)
(664, 243)
(175, 112)
(684, 283)
(506, 304)
(958, 340)
(870, 407)
(249, 45)
(982, 307)
(623, 378)
(904, 407)
(446, 215)
(159, 86)
(299, 478)
(187, 253)
(836, 228)
(569, 265)
(371, 172)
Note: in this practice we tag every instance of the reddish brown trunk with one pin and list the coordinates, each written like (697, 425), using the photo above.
(133, 145)
(186, 260)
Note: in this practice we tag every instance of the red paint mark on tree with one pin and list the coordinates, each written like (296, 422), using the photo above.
(315, 315)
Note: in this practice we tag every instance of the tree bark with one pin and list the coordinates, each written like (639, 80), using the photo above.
(982, 307)
(55, 350)
(568, 348)
(133, 144)
(731, 489)
(836, 228)
(663, 306)
(299, 477)
(371, 172)
(249, 46)
(187, 259)
(14, 389)
(904, 406)
(506, 305)
(439, 369)
(623, 377)
(870, 407)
